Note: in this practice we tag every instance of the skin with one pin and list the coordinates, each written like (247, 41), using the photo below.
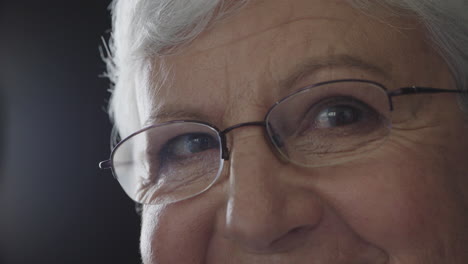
(403, 204)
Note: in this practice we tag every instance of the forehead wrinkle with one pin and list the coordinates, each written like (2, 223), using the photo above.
(246, 37)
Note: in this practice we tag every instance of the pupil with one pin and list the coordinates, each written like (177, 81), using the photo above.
(341, 115)
(199, 143)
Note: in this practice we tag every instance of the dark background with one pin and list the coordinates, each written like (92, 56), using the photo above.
(55, 204)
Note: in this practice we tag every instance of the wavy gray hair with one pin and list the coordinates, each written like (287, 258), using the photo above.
(145, 29)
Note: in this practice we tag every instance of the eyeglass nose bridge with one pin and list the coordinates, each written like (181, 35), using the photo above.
(225, 155)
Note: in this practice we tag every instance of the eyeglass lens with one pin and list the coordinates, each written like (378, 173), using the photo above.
(330, 124)
(168, 163)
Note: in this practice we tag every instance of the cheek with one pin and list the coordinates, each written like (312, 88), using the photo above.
(404, 200)
(177, 233)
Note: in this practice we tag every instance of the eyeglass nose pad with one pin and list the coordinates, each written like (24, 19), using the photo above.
(275, 137)
(277, 140)
(224, 149)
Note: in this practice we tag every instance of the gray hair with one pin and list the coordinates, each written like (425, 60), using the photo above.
(148, 29)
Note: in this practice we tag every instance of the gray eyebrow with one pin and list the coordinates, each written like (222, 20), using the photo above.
(312, 65)
(174, 112)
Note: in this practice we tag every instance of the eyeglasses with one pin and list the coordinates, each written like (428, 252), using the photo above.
(324, 124)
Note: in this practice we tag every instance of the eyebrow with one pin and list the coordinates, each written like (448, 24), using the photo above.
(308, 67)
(175, 112)
(311, 66)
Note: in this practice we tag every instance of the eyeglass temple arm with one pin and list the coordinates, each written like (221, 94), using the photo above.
(416, 90)
(106, 164)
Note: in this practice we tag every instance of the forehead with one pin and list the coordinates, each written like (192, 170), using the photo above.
(234, 71)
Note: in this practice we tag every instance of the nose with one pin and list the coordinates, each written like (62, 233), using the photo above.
(266, 212)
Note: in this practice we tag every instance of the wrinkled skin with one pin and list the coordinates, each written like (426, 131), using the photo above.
(404, 204)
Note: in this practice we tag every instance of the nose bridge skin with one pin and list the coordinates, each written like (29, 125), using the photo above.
(264, 214)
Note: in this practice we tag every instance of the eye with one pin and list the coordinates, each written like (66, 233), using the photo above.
(338, 115)
(341, 113)
(187, 145)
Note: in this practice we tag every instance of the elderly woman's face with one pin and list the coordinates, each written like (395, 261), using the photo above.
(404, 203)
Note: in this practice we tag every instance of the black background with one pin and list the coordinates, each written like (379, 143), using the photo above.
(55, 204)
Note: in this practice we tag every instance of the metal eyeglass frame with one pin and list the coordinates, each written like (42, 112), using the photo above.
(108, 164)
